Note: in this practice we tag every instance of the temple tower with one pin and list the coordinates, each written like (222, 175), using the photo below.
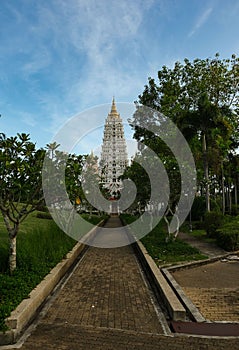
(114, 158)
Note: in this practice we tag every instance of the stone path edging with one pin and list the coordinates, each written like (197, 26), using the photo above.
(172, 303)
(193, 311)
(190, 307)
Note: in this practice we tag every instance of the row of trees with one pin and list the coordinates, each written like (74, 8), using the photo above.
(20, 184)
(202, 98)
(21, 189)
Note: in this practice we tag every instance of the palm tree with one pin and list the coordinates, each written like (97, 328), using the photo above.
(51, 147)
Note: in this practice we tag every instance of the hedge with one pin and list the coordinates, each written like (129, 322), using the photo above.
(228, 236)
(213, 221)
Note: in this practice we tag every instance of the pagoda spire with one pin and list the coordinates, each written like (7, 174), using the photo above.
(113, 108)
(114, 158)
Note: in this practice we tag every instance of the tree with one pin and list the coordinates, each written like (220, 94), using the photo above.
(51, 148)
(61, 175)
(73, 173)
(201, 98)
(92, 193)
(139, 176)
(20, 184)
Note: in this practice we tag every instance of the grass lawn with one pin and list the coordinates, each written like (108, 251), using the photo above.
(166, 253)
(200, 234)
(40, 246)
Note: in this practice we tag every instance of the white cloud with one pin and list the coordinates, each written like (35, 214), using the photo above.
(28, 118)
(200, 21)
(107, 36)
(85, 51)
(37, 62)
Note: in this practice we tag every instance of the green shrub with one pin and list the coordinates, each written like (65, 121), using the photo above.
(43, 208)
(228, 236)
(43, 215)
(3, 259)
(38, 250)
(5, 311)
(165, 252)
(198, 225)
(40, 246)
(198, 208)
(213, 221)
(234, 211)
(215, 205)
(127, 218)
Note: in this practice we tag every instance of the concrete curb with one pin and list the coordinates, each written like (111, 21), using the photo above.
(27, 309)
(192, 310)
(171, 302)
(201, 262)
(163, 290)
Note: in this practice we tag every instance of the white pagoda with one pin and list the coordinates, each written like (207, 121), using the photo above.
(114, 158)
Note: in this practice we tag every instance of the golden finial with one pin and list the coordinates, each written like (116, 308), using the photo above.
(113, 108)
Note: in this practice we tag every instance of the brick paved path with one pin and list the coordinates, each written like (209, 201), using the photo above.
(213, 288)
(106, 305)
(107, 289)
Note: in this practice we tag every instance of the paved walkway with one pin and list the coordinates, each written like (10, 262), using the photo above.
(209, 249)
(214, 287)
(106, 304)
(107, 290)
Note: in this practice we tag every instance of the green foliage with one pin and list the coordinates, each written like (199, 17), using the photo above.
(166, 252)
(41, 249)
(213, 221)
(93, 219)
(234, 210)
(198, 208)
(74, 167)
(61, 169)
(41, 245)
(43, 215)
(128, 218)
(201, 97)
(171, 251)
(38, 251)
(20, 184)
(42, 208)
(139, 176)
(20, 176)
(3, 254)
(228, 235)
(216, 205)
(198, 225)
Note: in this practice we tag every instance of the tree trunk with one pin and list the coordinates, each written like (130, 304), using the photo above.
(227, 197)
(235, 187)
(206, 172)
(171, 235)
(223, 193)
(13, 254)
(230, 199)
(12, 234)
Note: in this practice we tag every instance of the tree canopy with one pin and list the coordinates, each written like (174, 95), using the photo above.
(20, 184)
(202, 98)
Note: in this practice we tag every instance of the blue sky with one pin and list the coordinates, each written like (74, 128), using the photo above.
(61, 57)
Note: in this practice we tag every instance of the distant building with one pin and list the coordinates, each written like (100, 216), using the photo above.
(114, 158)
